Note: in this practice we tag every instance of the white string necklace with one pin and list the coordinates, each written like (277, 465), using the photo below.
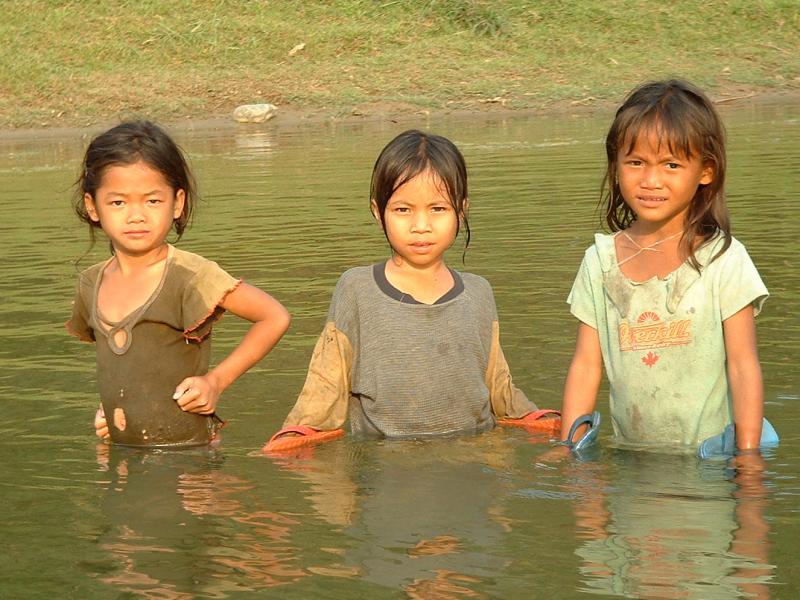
(640, 248)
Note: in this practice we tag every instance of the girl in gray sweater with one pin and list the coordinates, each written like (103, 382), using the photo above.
(411, 347)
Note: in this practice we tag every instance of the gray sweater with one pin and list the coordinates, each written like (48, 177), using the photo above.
(398, 368)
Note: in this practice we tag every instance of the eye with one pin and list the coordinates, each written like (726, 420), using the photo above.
(440, 208)
(117, 203)
(634, 162)
(401, 209)
(673, 165)
(154, 201)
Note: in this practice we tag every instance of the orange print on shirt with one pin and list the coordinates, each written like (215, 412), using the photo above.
(650, 332)
(650, 359)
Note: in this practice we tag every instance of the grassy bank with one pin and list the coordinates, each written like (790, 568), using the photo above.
(77, 63)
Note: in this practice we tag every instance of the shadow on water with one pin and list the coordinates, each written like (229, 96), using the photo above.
(502, 515)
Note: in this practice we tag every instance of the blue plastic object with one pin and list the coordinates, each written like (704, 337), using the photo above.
(724, 444)
(588, 437)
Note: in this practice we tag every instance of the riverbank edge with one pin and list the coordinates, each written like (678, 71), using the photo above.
(290, 117)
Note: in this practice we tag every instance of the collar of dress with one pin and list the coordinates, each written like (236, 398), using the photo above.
(619, 288)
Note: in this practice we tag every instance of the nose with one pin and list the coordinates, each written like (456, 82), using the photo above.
(651, 177)
(135, 213)
(421, 222)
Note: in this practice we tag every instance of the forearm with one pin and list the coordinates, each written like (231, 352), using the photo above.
(744, 378)
(256, 344)
(583, 378)
(580, 393)
(269, 319)
(748, 403)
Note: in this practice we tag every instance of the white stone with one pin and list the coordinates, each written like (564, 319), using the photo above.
(254, 113)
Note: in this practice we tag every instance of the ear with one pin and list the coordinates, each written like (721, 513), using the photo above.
(708, 174)
(180, 202)
(91, 208)
(373, 206)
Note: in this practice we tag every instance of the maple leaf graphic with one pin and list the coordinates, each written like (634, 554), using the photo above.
(650, 359)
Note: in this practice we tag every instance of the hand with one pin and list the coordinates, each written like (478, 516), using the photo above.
(100, 424)
(198, 394)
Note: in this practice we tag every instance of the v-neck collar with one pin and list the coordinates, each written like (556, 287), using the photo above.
(126, 324)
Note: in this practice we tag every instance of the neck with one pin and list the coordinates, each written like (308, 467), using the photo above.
(426, 283)
(423, 273)
(131, 264)
(653, 234)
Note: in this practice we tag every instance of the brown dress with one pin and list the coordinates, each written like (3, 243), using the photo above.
(165, 340)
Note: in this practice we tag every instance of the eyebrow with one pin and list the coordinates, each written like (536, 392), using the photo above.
(118, 193)
(670, 154)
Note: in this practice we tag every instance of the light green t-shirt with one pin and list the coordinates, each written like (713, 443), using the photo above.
(662, 340)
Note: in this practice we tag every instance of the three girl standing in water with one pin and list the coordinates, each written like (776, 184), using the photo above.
(411, 347)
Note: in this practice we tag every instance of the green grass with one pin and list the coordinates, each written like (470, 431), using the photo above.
(75, 63)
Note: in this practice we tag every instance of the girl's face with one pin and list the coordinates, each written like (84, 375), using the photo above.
(657, 185)
(419, 220)
(135, 206)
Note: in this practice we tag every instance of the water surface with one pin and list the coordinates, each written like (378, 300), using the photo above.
(493, 516)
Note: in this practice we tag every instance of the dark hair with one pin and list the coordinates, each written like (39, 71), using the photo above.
(686, 120)
(127, 144)
(411, 153)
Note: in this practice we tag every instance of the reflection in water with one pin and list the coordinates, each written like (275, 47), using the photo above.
(427, 516)
(665, 526)
(173, 517)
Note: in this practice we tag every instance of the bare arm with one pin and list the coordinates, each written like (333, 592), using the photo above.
(744, 377)
(200, 394)
(583, 378)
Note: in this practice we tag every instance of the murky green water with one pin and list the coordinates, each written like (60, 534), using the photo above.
(484, 517)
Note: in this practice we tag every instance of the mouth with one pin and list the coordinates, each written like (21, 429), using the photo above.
(137, 233)
(651, 200)
(421, 246)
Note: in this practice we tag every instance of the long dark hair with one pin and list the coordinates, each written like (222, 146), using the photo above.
(411, 153)
(685, 119)
(129, 143)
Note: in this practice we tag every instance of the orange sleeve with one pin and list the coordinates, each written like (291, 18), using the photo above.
(507, 399)
(324, 400)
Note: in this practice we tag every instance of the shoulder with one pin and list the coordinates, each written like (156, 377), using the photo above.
(478, 290)
(89, 276)
(735, 253)
(475, 283)
(353, 284)
(188, 266)
(602, 254)
(356, 275)
(737, 247)
(354, 279)
(190, 261)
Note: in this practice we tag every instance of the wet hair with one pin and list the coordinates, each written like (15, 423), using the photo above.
(414, 152)
(685, 119)
(126, 144)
